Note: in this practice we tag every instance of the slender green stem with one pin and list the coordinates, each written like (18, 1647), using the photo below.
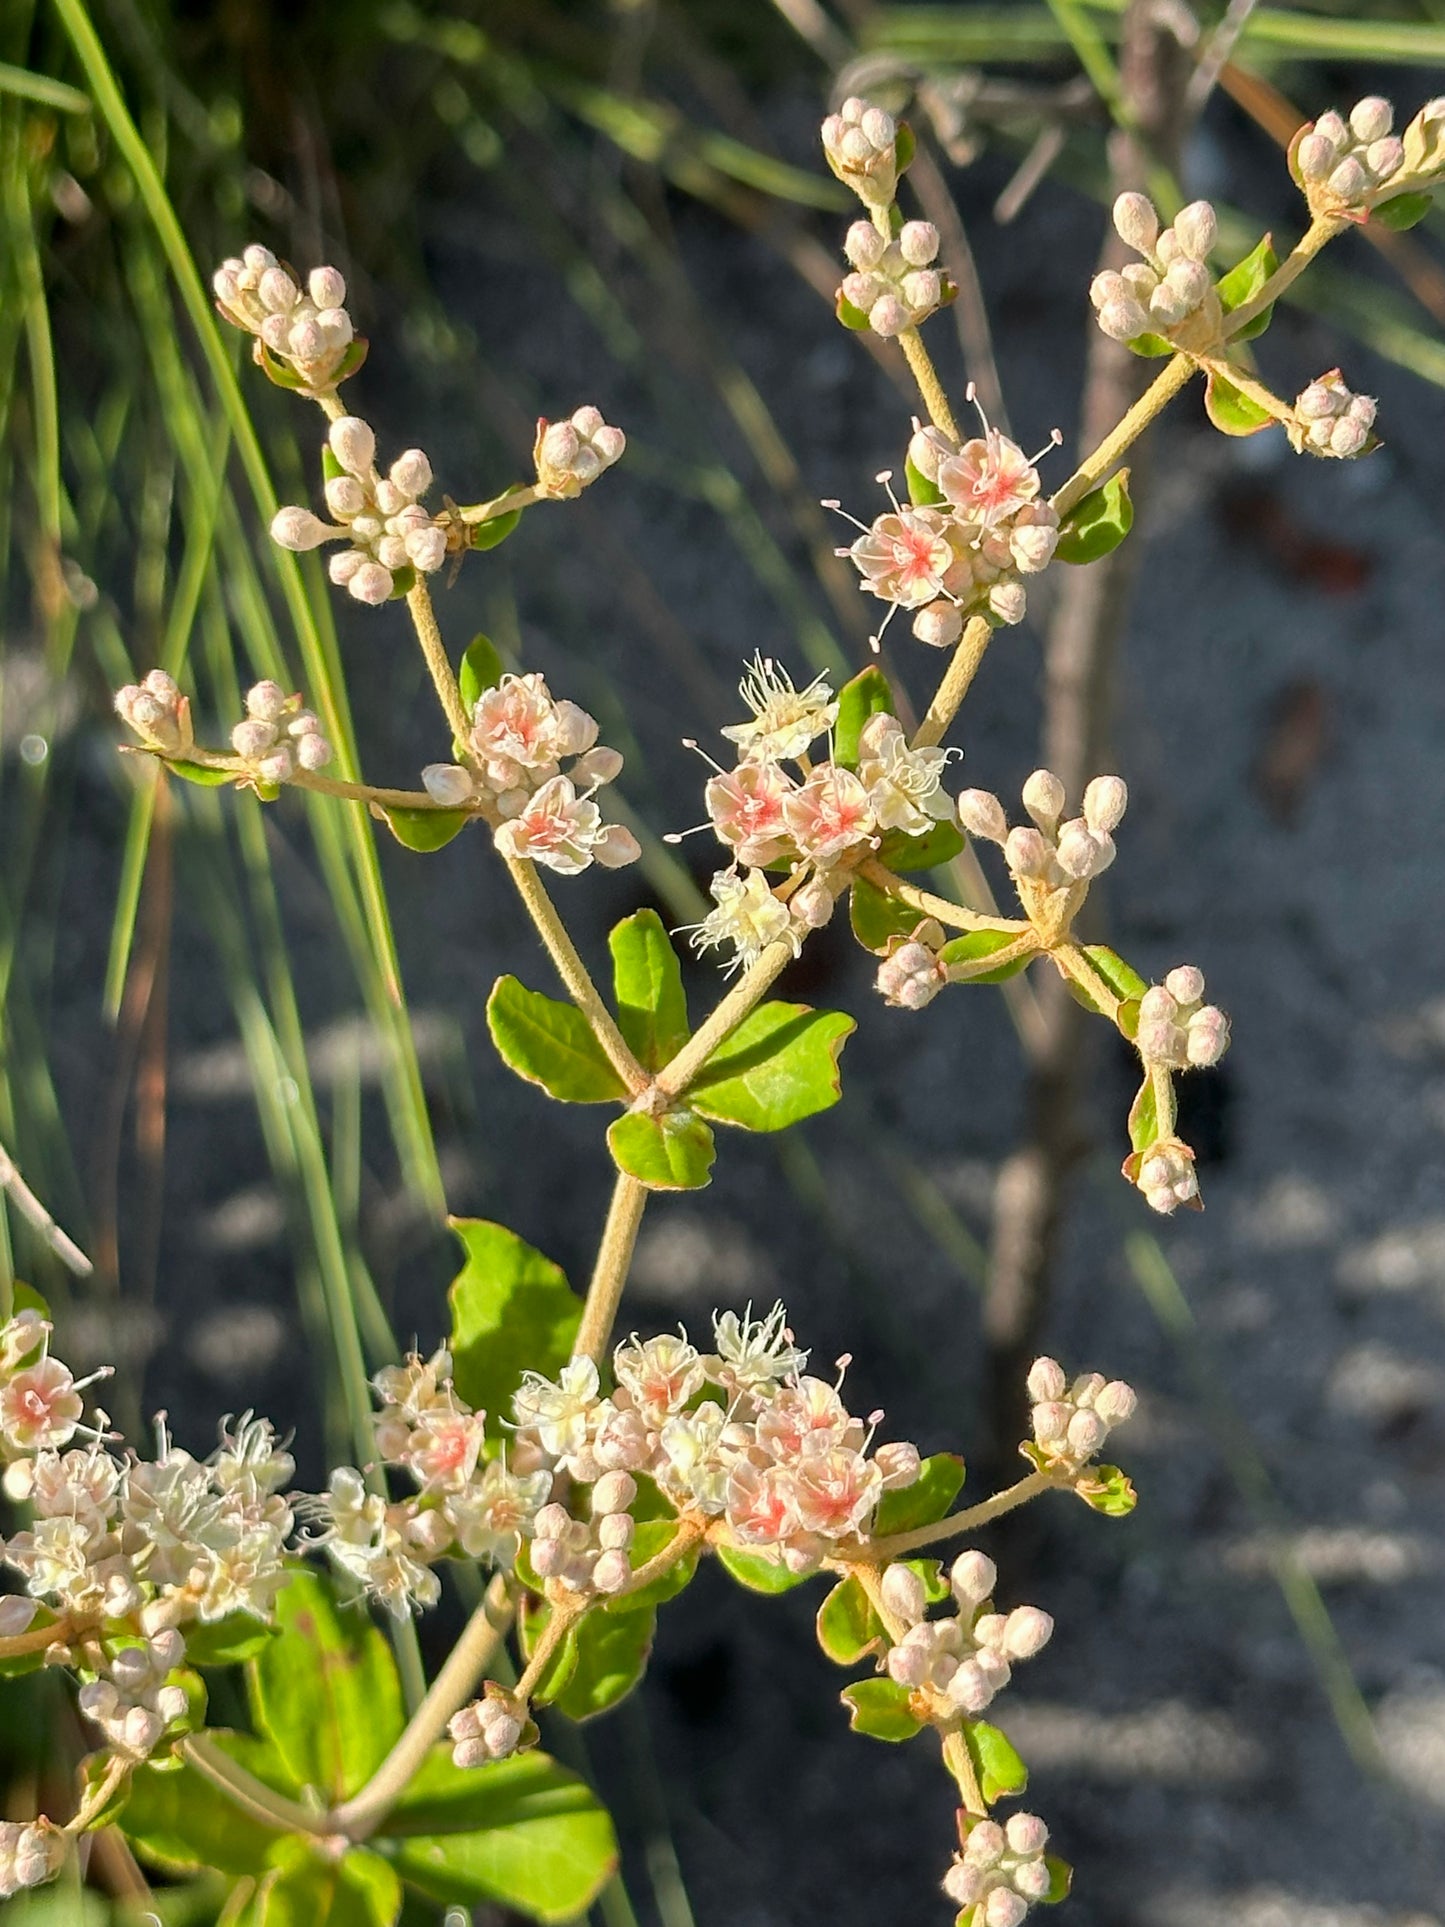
(505, 504)
(245, 1791)
(1321, 231)
(967, 655)
(464, 1666)
(1156, 397)
(954, 915)
(1256, 391)
(756, 981)
(920, 364)
(899, 1544)
(305, 779)
(429, 635)
(609, 1274)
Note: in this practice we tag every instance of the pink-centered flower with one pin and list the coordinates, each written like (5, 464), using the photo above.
(835, 1491)
(745, 806)
(989, 479)
(40, 1407)
(517, 727)
(760, 1508)
(829, 814)
(905, 556)
(556, 827)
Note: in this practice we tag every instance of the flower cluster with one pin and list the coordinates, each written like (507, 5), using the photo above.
(1177, 1027)
(588, 1555)
(490, 1728)
(131, 1702)
(1053, 855)
(957, 1664)
(307, 327)
(964, 553)
(860, 144)
(158, 713)
(279, 735)
(1000, 1871)
(570, 455)
(519, 739)
(1330, 420)
(894, 284)
(1171, 291)
(1344, 164)
(817, 820)
(31, 1852)
(1071, 1422)
(466, 1505)
(387, 530)
(913, 973)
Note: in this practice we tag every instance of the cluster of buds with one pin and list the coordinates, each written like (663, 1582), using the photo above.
(519, 739)
(814, 822)
(1177, 1027)
(279, 735)
(778, 1458)
(571, 455)
(1344, 165)
(31, 1852)
(158, 713)
(912, 973)
(1053, 862)
(307, 327)
(1071, 1422)
(380, 519)
(132, 1703)
(588, 1555)
(894, 284)
(490, 1728)
(1165, 1175)
(860, 145)
(965, 553)
(1171, 291)
(466, 1504)
(957, 1664)
(1330, 420)
(156, 1542)
(999, 1871)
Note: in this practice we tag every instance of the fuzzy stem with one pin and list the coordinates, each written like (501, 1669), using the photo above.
(574, 974)
(65, 1631)
(956, 1758)
(689, 1533)
(1156, 397)
(429, 635)
(940, 908)
(757, 980)
(900, 1544)
(359, 1816)
(1073, 963)
(505, 504)
(920, 363)
(245, 1791)
(305, 779)
(1321, 231)
(563, 1618)
(950, 693)
(1026, 945)
(99, 1797)
(1263, 397)
(609, 1274)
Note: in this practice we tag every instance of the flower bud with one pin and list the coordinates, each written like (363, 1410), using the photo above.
(938, 624)
(1116, 1402)
(1083, 854)
(910, 977)
(1185, 984)
(612, 1573)
(813, 905)
(411, 473)
(973, 1577)
(1349, 182)
(1190, 281)
(1027, 853)
(986, 1844)
(613, 1493)
(353, 444)
(313, 752)
(278, 291)
(900, 1463)
(889, 317)
(929, 449)
(1043, 798)
(1371, 119)
(1137, 222)
(1050, 1419)
(1123, 319)
(615, 1531)
(447, 783)
(902, 1593)
(1086, 1434)
(1026, 1833)
(1003, 1909)
(616, 847)
(864, 246)
(1196, 228)
(1008, 601)
(427, 548)
(252, 739)
(1315, 156)
(1026, 1632)
(1105, 801)
(16, 1611)
(326, 287)
(1383, 158)
(298, 529)
(963, 1884)
(1207, 1038)
(918, 243)
(908, 1665)
(370, 583)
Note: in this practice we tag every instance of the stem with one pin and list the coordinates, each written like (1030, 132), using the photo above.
(609, 1274)
(1073, 963)
(870, 1578)
(563, 1618)
(959, 1763)
(424, 620)
(940, 908)
(951, 691)
(674, 1077)
(1156, 397)
(1164, 1107)
(574, 974)
(920, 363)
(1321, 231)
(874, 1551)
(1263, 397)
(245, 1791)
(505, 504)
(359, 1816)
(1026, 945)
(99, 1797)
(688, 1533)
(37, 1638)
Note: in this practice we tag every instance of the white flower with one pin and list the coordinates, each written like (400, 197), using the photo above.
(660, 1374)
(786, 720)
(557, 827)
(748, 916)
(494, 1512)
(905, 786)
(754, 1353)
(558, 1410)
(829, 814)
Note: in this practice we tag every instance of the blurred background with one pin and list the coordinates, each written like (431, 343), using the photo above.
(243, 1056)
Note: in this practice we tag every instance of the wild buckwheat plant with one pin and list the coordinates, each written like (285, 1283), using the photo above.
(585, 1476)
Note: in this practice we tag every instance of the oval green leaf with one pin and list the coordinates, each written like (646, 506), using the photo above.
(922, 493)
(1098, 524)
(1232, 412)
(1144, 1117)
(757, 1571)
(421, 829)
(673, 1152)
(647, 982)
(1403, 211)
(199, 773)
(652, 1537)
(612, 1655)
(481, 670)
(939, 1482)
(1108, 1490)
(998, 1766)
(487, 535)
(780, 1065)
(179, 1821)
(879, 1708)
(929, 850)
(359, 1890)
(1244, 281)
(228, 1641)
(975, 944)
(848, 1628)
(551, 1044)
(868, 694)
(512, 1312)
(850, 316)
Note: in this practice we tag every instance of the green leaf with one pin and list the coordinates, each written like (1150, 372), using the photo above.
(612, 1655)
(1244, 281)
(929, 850)
(922, 493)
(879, 1708)
(904, 147)
(757, 1571)
(423, 830)
(876, 917)
(1122, 978)
(650, 1538)
(1144, 1117)
(403, 581)
(1232, 412)
(1099, 523)
(647, 981)
(930, 1571)
(1150, 346)
(780, 1065)
(1107, 1490)
(512, 1312)
(998, 1766)
(198, 773)
(481, 670)
(983, 943)
(226, 1642)
(673, 1152)
(325, 1690)
(1403, 211)
(352, 360)
(551, 1044)
(1061, 1879)
(848, 1628)
(939, 1481)
(868, 694)
(486, 535)
(177, 1820)
(359, 1890)
(850, 316)
(521, 1832)
(92, 1772)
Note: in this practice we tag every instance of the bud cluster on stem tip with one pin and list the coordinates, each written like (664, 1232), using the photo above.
(31, 1852)
(278, 736)
(158, 713)
(309, 327)
(1177, 1027)
(489, 1728)
(893, 283)
(570, 455)
(1051, 854)
(1171, 291)
(860, 144)
(911, 975)
(1070, 1422)
(132, 1704)
(1330, 420)
(1344, 163)
(1000, 1870)
(380, 518)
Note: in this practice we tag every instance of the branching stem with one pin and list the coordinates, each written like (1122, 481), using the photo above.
(899, 1544)
(609, 1274)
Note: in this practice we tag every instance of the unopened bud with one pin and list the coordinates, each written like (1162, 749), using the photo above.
(1046, 1380)
(613, 1493)
(1026, 1632)
(864, 246)
(298, 529)
(1349, 182)
(1086, 1433)
(1026, 1833)
(1207, 1037)
(902, 1592)
(1009, 602)
(1028, 853)
(1083, 854)
(1115, 1403)
(1196, 228)
(1043, 798)
(813, 905)
(900, 1463)
(973, 1577)
(1315, 156)
(411, 473)
(447, 783)
(612, 1573)
(1137, 222)
(938, 624)
(981, 814)
(1185, 984)
(918, 243)
(1371, 119)
(353, 444)
(911, 977)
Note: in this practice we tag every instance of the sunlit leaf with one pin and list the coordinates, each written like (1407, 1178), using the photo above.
(551, 1044)
(512, 1311)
